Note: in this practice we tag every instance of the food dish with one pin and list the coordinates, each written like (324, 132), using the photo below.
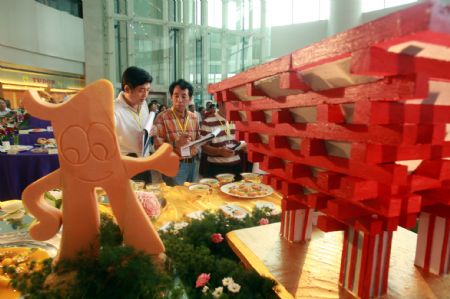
(198, 215)
(251, 177)
(38, 130)
(269, 205)
(234, 211)
(200, 188)
(225, 178)
(209, 181)
(20, 257)
(247, 190)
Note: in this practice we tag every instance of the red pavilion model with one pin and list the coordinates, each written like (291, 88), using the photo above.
(355, 127)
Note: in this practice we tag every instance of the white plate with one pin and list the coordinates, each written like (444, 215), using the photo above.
(260, 191)
(37, 130)
(234, 211)
(176, 225)
(195, 215)
(266, 204)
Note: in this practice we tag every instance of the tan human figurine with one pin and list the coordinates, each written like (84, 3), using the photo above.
(89, 157)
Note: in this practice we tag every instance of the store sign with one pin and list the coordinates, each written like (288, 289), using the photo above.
(49, 82)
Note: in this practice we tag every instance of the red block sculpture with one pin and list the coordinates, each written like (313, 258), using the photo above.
(356, 127)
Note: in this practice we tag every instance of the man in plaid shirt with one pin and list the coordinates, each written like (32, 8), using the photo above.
(178, 126)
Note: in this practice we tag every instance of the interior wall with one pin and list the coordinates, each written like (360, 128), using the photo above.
(36, 35)
(285, 39)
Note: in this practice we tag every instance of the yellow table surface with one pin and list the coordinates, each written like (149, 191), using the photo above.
(181, 201)
(311, 269)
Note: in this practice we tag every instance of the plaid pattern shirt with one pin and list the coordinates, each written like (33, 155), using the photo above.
(168, 128)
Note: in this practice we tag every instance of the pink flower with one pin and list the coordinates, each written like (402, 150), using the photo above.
(216, 238)
(202, 280)
(149, 202)
(263, 221)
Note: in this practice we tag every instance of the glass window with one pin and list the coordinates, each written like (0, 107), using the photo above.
(245, 18)
(120, 7)
(287, 12)
(175, 51)
(279, 12)
(256, 49)
(324, 10)
(234, 53)
(175, 10)
(305, 11)
(255, 9)
(371, 5)
(194, 55)
(392, 3)
(198, 60)
(149, 8)
(215, 57)
(235, 13)
(198, 12)
(215, 13)
(149, 50)
(121, 47)
(73, 7)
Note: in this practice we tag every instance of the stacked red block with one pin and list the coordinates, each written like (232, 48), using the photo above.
(356, 127)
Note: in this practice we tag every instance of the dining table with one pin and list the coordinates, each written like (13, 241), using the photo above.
(184, 204)
(30, 137)
(19, 170)
(180, 204)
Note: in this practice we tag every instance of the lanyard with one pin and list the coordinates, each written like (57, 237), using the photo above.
(137, 119)
(183, 129)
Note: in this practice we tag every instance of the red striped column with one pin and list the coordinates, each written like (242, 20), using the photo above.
(296, 221)
(365, 263)
(433, 247)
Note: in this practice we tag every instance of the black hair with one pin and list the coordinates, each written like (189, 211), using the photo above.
(183, 84)
(134, 76)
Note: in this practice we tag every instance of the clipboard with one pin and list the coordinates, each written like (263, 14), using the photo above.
(186, 151)
(146, 133)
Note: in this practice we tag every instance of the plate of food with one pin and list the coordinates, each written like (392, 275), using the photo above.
(38, 130)
(234, 211)
(209, 181)
(268, 205)
(251, 177)
(247, 190)
(198, 215)
(225, 178)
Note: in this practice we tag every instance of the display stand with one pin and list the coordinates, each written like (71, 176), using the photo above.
(311, 269)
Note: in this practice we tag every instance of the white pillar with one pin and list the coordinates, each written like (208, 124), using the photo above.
(344, 14)
(94, 46)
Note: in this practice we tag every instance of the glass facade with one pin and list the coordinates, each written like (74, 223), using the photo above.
(73, 7)
(201, 41)
(149, 50)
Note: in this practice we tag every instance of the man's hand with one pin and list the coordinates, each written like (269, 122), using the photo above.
(194, 151)
(182, 140)
(154, 131)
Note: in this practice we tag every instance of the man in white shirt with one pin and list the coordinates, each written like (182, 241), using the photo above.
(131, 113)
(3, 108)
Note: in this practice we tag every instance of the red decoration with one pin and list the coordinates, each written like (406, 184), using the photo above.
(338, 126)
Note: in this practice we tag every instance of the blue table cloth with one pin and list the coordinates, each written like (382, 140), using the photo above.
(33, 122)
(30, 138)
(20, 170)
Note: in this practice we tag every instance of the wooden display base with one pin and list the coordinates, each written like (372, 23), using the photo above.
(311, 269)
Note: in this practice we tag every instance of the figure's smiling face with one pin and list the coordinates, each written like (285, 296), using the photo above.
(91, 153)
